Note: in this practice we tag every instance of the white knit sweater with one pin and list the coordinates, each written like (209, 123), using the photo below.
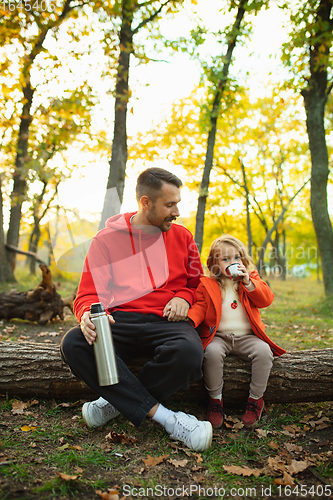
(233, 319)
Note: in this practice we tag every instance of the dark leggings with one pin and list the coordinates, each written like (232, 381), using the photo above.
(175, 353)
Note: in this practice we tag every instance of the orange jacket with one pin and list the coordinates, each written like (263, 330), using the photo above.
(206, 311)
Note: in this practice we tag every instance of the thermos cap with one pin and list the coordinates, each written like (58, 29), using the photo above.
(97, 308)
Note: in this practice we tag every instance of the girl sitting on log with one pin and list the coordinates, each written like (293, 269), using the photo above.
(227, 313)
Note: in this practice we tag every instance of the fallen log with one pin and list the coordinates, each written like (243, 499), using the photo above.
(41, 304)
(37, 370)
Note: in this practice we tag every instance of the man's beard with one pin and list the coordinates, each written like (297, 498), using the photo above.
(152, 216)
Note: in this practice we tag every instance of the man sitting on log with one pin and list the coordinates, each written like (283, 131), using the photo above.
(144, 269)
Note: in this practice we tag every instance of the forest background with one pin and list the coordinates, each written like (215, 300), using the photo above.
(232, 96)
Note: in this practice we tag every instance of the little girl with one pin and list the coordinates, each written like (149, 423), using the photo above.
(227, 313)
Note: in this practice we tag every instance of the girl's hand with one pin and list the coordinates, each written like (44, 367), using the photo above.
(244, 276)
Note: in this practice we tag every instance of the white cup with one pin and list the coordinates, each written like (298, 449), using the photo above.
(233, 271)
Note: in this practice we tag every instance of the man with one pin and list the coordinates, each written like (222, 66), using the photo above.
(144, 269)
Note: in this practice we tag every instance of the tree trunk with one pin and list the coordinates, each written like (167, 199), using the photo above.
(318, 265)
(315, 98)
(262, 250)
(315, 101)
(3, 268)
(33, 245)
(116, 180)
(20, 176)
(37, 370)
(279, 259)
(36, 232)
(41, 305)
(204, 186)
(247, 203)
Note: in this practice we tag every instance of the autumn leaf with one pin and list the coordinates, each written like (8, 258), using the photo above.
(293, 447)
(273, 445)
(242, 471)
(286, 480)
(114, 437)
(67, 446)
(198, 478)
(67, 477)
(27, 428)
(178, 463)
(152, 461)
(291, 430)
(262, 433)
(276, 465)
(108, 495)
(69, 405)
(296, 466)
(320, 424)
(238, 426)
(18, 407)
(233, 423)
(31, 403)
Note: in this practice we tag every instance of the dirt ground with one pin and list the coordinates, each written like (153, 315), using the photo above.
(46, 451)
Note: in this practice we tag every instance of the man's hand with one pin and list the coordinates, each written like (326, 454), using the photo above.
(88, 327)
(176, 309)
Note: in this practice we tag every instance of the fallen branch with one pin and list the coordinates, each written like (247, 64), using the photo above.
(41, 304)
(11, 248)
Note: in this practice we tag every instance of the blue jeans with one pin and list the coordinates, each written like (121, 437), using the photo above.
(175, 360)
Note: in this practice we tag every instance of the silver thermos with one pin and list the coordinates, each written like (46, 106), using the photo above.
(103, 346)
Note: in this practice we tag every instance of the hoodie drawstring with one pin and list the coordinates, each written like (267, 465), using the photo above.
(143, 256)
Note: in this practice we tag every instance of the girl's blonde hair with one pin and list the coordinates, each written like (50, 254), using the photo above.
(214, 253)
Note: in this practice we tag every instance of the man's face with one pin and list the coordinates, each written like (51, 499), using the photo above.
(164, 210)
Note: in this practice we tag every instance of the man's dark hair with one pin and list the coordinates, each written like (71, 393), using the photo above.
(151, 180)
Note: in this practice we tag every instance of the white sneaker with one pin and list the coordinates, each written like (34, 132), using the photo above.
(195, 434)
(99, 412)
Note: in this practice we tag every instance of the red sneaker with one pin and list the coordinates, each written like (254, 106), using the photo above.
(253, 411)
(215, 413)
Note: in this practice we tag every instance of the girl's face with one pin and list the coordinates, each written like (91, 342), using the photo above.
(226, 255)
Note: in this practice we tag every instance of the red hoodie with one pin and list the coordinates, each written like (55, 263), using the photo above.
(130, 270)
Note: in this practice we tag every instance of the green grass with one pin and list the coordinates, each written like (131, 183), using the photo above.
(300, 316)
(40, 456)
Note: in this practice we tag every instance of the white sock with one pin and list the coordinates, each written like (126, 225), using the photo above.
(217, 397)
(254, 397)
(162, 414)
